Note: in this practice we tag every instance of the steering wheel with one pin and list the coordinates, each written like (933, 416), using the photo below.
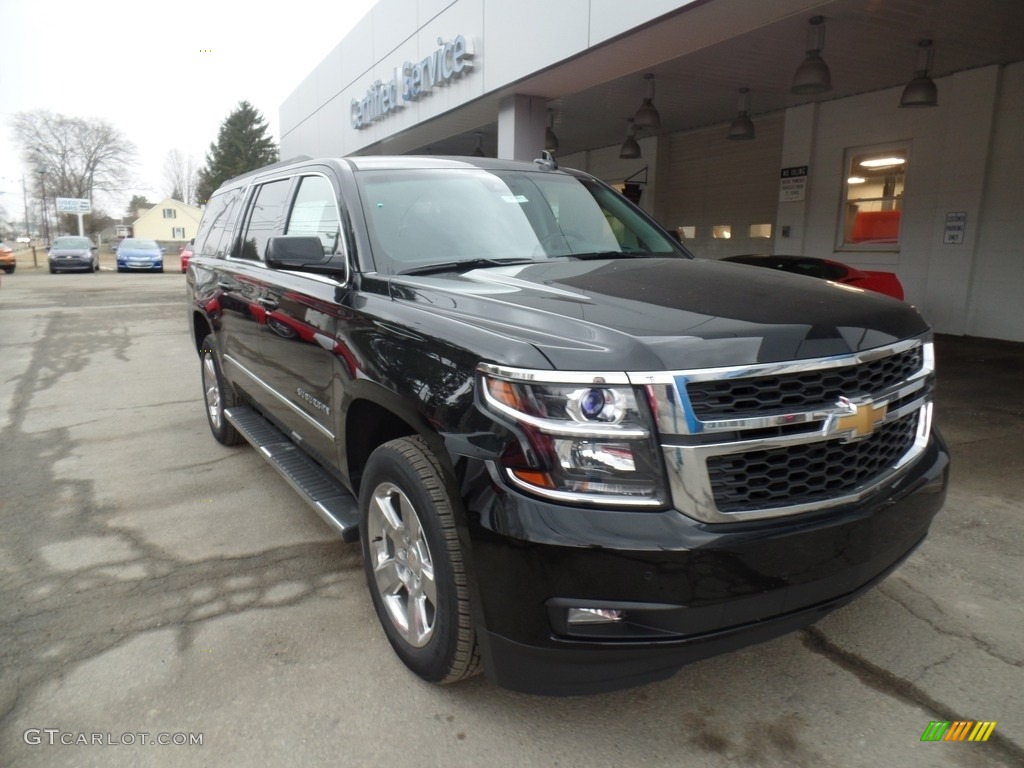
(575, 242)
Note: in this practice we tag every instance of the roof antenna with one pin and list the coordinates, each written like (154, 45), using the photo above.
(547, 161)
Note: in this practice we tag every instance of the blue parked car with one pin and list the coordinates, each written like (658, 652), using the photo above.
(135, 253)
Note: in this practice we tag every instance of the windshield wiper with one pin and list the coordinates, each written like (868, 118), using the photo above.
(608, 255)
(462, 266)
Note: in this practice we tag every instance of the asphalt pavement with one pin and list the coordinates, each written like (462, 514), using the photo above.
(156, 586)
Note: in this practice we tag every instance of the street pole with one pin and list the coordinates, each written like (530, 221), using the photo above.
(28, 223)
(24, 194)
(46, 219)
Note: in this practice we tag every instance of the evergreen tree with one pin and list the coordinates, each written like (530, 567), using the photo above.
(137, 202)
(242, 145)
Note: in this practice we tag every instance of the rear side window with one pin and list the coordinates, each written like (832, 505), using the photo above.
(216, 224)
(315, 212)
(265, 218)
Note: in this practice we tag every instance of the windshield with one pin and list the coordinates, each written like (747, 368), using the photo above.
(421, 217)
(72, 242)
(141, 245)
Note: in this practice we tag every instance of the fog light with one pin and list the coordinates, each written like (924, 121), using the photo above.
(595, 616)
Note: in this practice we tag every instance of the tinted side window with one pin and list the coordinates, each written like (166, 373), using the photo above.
(315, 212)
(265, 218)
(212, 223)
(222, 241)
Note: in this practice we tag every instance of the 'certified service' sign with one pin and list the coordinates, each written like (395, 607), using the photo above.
(413, 80)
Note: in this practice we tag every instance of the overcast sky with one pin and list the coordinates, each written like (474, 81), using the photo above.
(143, 67)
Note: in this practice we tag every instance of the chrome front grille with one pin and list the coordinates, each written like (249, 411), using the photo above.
(806, 472)
(726, 397)
(760, 441)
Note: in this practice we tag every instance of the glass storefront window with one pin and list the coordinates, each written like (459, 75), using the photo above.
(873, 198)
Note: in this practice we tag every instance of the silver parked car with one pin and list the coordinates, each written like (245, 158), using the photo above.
(76, 253)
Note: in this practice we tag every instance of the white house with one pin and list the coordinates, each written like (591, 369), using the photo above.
(169, 220)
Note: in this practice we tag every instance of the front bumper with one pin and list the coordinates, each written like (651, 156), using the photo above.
(141, 265)
(689, 590)
(73, 262)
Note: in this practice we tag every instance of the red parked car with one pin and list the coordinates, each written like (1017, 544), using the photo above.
(185, 254)
(825, 269)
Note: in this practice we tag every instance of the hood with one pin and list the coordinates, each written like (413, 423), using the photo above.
(658, 314)
(147, 253)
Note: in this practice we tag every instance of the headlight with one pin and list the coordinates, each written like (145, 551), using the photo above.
(584, 438)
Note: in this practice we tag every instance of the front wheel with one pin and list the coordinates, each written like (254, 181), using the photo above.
(413, 562)
(217, 397)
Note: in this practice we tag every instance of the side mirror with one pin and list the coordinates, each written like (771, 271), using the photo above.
(299, 252)
(93, 248)
(163, 250)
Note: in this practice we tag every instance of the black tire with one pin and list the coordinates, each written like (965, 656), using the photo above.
(120, 269)
(9, 270)
(416, 557)
(53, 271)
(216, 396)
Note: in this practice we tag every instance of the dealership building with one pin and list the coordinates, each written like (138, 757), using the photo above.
(885, 135)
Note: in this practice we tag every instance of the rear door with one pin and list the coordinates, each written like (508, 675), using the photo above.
(297, 335)
(240, 283)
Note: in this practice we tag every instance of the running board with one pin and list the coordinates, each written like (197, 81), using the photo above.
(327, 496)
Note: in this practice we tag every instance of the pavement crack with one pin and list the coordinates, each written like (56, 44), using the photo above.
(980, 643)
(885, 682)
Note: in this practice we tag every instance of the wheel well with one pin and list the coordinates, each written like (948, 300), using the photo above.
(202, 329)
(367, 426)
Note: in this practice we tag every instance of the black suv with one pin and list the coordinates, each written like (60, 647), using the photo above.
(573, 454)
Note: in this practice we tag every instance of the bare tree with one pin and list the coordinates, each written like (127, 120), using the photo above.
(73, 156)
(182, 176)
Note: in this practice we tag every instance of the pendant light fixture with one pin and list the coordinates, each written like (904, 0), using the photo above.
(647, 116)
(630, 147)
(813, 76)
(742, 127)
(479, 151)
(550, 140)
(921, 90)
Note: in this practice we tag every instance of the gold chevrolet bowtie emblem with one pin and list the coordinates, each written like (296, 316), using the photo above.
(861, 419)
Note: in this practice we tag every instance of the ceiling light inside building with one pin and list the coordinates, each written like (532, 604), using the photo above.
(882, 162)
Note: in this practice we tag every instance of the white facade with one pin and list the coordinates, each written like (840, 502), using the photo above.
(169, 220)
(532, 56)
